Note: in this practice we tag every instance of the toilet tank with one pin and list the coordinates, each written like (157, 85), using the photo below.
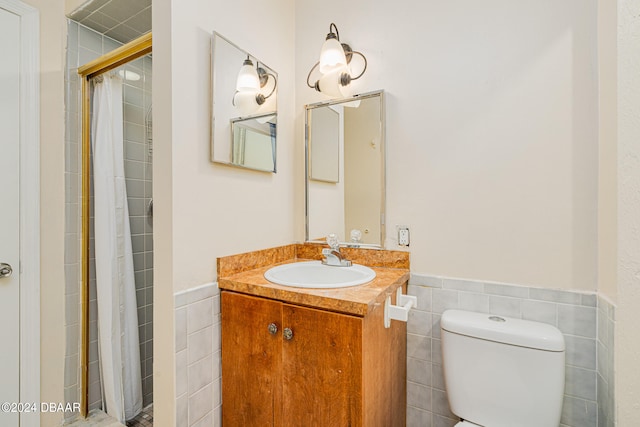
(502, 372)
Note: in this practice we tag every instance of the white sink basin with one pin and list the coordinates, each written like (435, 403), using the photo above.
(313, 274)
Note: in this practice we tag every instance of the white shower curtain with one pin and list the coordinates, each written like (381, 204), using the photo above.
(116, 295)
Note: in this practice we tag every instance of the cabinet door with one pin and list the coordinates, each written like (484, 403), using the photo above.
(251, 361)
(321, 368)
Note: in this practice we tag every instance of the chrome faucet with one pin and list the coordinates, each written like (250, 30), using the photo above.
(332, 255)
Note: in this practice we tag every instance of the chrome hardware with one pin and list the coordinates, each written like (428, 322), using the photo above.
(287, 334)
(273, 328)
(150, 208)
(334, 258)
(5, 270)
(333, 242)
(356, 238)
(332, 255)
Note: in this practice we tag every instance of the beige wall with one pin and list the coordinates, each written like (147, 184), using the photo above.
(205, 210)
(220, 210)
(607, 147)
(163, 344)
(498, 181)
(52, 61)
(627, 343)
(71, 5)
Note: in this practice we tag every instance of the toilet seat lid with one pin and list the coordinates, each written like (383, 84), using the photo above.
(466, 424)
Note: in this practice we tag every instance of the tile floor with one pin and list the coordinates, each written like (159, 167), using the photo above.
(144, 418)
(96, 418)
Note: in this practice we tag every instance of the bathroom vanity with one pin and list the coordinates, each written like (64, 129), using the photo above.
(311, 357)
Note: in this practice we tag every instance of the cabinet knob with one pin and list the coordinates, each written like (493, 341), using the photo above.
(287, 334)
(273, 328)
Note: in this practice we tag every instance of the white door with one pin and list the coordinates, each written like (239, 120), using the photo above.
(9, 215)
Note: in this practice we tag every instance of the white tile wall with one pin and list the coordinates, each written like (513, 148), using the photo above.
(579, 316)
(605, 363)
(197, 335)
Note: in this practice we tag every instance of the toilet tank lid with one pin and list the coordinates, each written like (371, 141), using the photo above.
(523, 333)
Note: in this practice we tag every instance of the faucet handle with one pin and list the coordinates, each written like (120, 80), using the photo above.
(333, 242)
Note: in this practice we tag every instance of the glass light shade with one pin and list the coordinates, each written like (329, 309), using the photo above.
(331, 55)
(248, 78)
(330, 84)
(245, 102)
(129, 75)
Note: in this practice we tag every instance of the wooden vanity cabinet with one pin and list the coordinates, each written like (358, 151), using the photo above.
(333, 370)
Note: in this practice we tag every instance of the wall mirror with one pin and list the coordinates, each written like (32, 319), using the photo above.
(244, 108)
(345, 170)
(254, 143)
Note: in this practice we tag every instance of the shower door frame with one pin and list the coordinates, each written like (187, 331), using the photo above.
(125, 53)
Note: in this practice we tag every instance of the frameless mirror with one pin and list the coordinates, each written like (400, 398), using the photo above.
(345, 170)
(254, 143)
(244, 108)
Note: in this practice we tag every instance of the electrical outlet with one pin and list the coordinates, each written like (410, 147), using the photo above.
(403, 236)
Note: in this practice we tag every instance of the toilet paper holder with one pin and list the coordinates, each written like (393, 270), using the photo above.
(400, 311)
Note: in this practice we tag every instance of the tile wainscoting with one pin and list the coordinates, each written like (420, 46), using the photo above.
(585, 319)
(197, 346)
(605, 380)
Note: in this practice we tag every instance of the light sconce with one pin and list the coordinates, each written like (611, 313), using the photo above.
(251, 80)
(334, 66)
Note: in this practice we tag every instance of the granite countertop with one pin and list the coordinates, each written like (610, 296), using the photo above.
(244, 273)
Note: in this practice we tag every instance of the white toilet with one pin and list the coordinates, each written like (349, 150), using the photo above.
(502, 372)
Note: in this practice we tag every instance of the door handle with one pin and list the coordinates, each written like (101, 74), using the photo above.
(5, 270)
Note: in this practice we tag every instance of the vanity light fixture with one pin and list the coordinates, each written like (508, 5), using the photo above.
(251, 80)
(247, 77)
(334, 66)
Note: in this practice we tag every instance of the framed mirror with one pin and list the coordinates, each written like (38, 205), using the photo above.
(244, 108)
(345, 170)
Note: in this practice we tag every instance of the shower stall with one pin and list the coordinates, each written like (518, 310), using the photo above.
(111, 361)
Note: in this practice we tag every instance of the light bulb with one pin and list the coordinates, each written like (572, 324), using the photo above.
(247, 77)
(332, 55)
